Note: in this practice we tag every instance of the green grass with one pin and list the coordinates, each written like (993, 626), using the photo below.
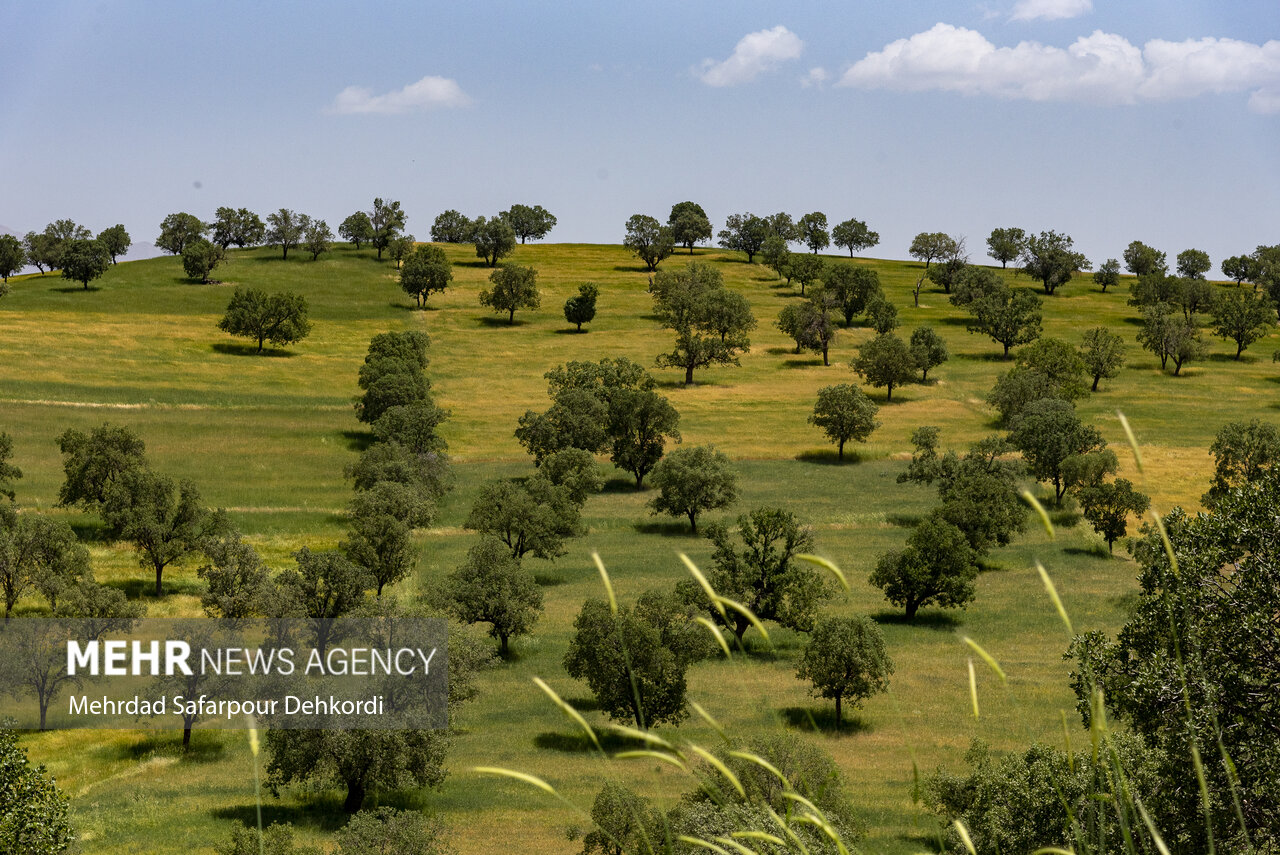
(268, 437)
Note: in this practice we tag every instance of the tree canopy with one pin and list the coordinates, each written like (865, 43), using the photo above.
(529, 222)
(692, 480)
(279, 318)
(649, 240)
(514, 287)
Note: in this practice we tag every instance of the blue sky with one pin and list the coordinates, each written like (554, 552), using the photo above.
(1157, 121)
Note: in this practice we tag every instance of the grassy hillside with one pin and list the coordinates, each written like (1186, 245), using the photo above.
(268, 436)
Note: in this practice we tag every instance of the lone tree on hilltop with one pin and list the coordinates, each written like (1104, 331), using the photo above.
(813, 231)
(83, 261)
(177, 230)
(451, 227)
(1048, 257)
(846, 659)
(649, 240)
(1107, 275)
(239, 226)
(930, 246)
(529, 222)
(13, 256)
(854, 236)
(285, 229)
(1005, 245)
(279, 318)
(1143, 260)
(115, 240)
(689, 224)
(357, 229)
(746, 233)
(494, 239)
(514, 287)
(387, 220)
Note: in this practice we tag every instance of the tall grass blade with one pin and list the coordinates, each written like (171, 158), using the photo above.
(986, 657)
(1133, 440)
(704, 844)
(964, 837)
(733, 844)
(1040, 511)
(709, 719)
(525, 777)
(829, 566)
(716, 634)
(254, 747)
(608, 583)
(569, 711)
(786, 829)
(1164, 538)
(645, 736)
(647, 754)
(1151, 828)
(973, 689)
(752, 757)
(748, 614)
(759, 835)
(704, 584)
(724, 770)
(1053, 595)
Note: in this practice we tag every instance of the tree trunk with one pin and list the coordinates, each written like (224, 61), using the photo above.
(825, 361)
(693, 522)
(186, 736)
(1096, 378)
(44, 708)
(261, 339)
(511, 317)
(1239, 349)
(355, 797)
(837, 712)
(159, 572)
(912, 608)
(840, 450)
(503, 643)
(888, 396)
(688, 375)
(1006, 350)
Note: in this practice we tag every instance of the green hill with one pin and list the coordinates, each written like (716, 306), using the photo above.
(268, 438)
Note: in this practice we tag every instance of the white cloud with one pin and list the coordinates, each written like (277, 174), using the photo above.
(754, 54)
(428, 93)
(1102, 68)
(816, 77)
(1050, 10)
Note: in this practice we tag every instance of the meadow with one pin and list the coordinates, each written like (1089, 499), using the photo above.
(267, 437)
